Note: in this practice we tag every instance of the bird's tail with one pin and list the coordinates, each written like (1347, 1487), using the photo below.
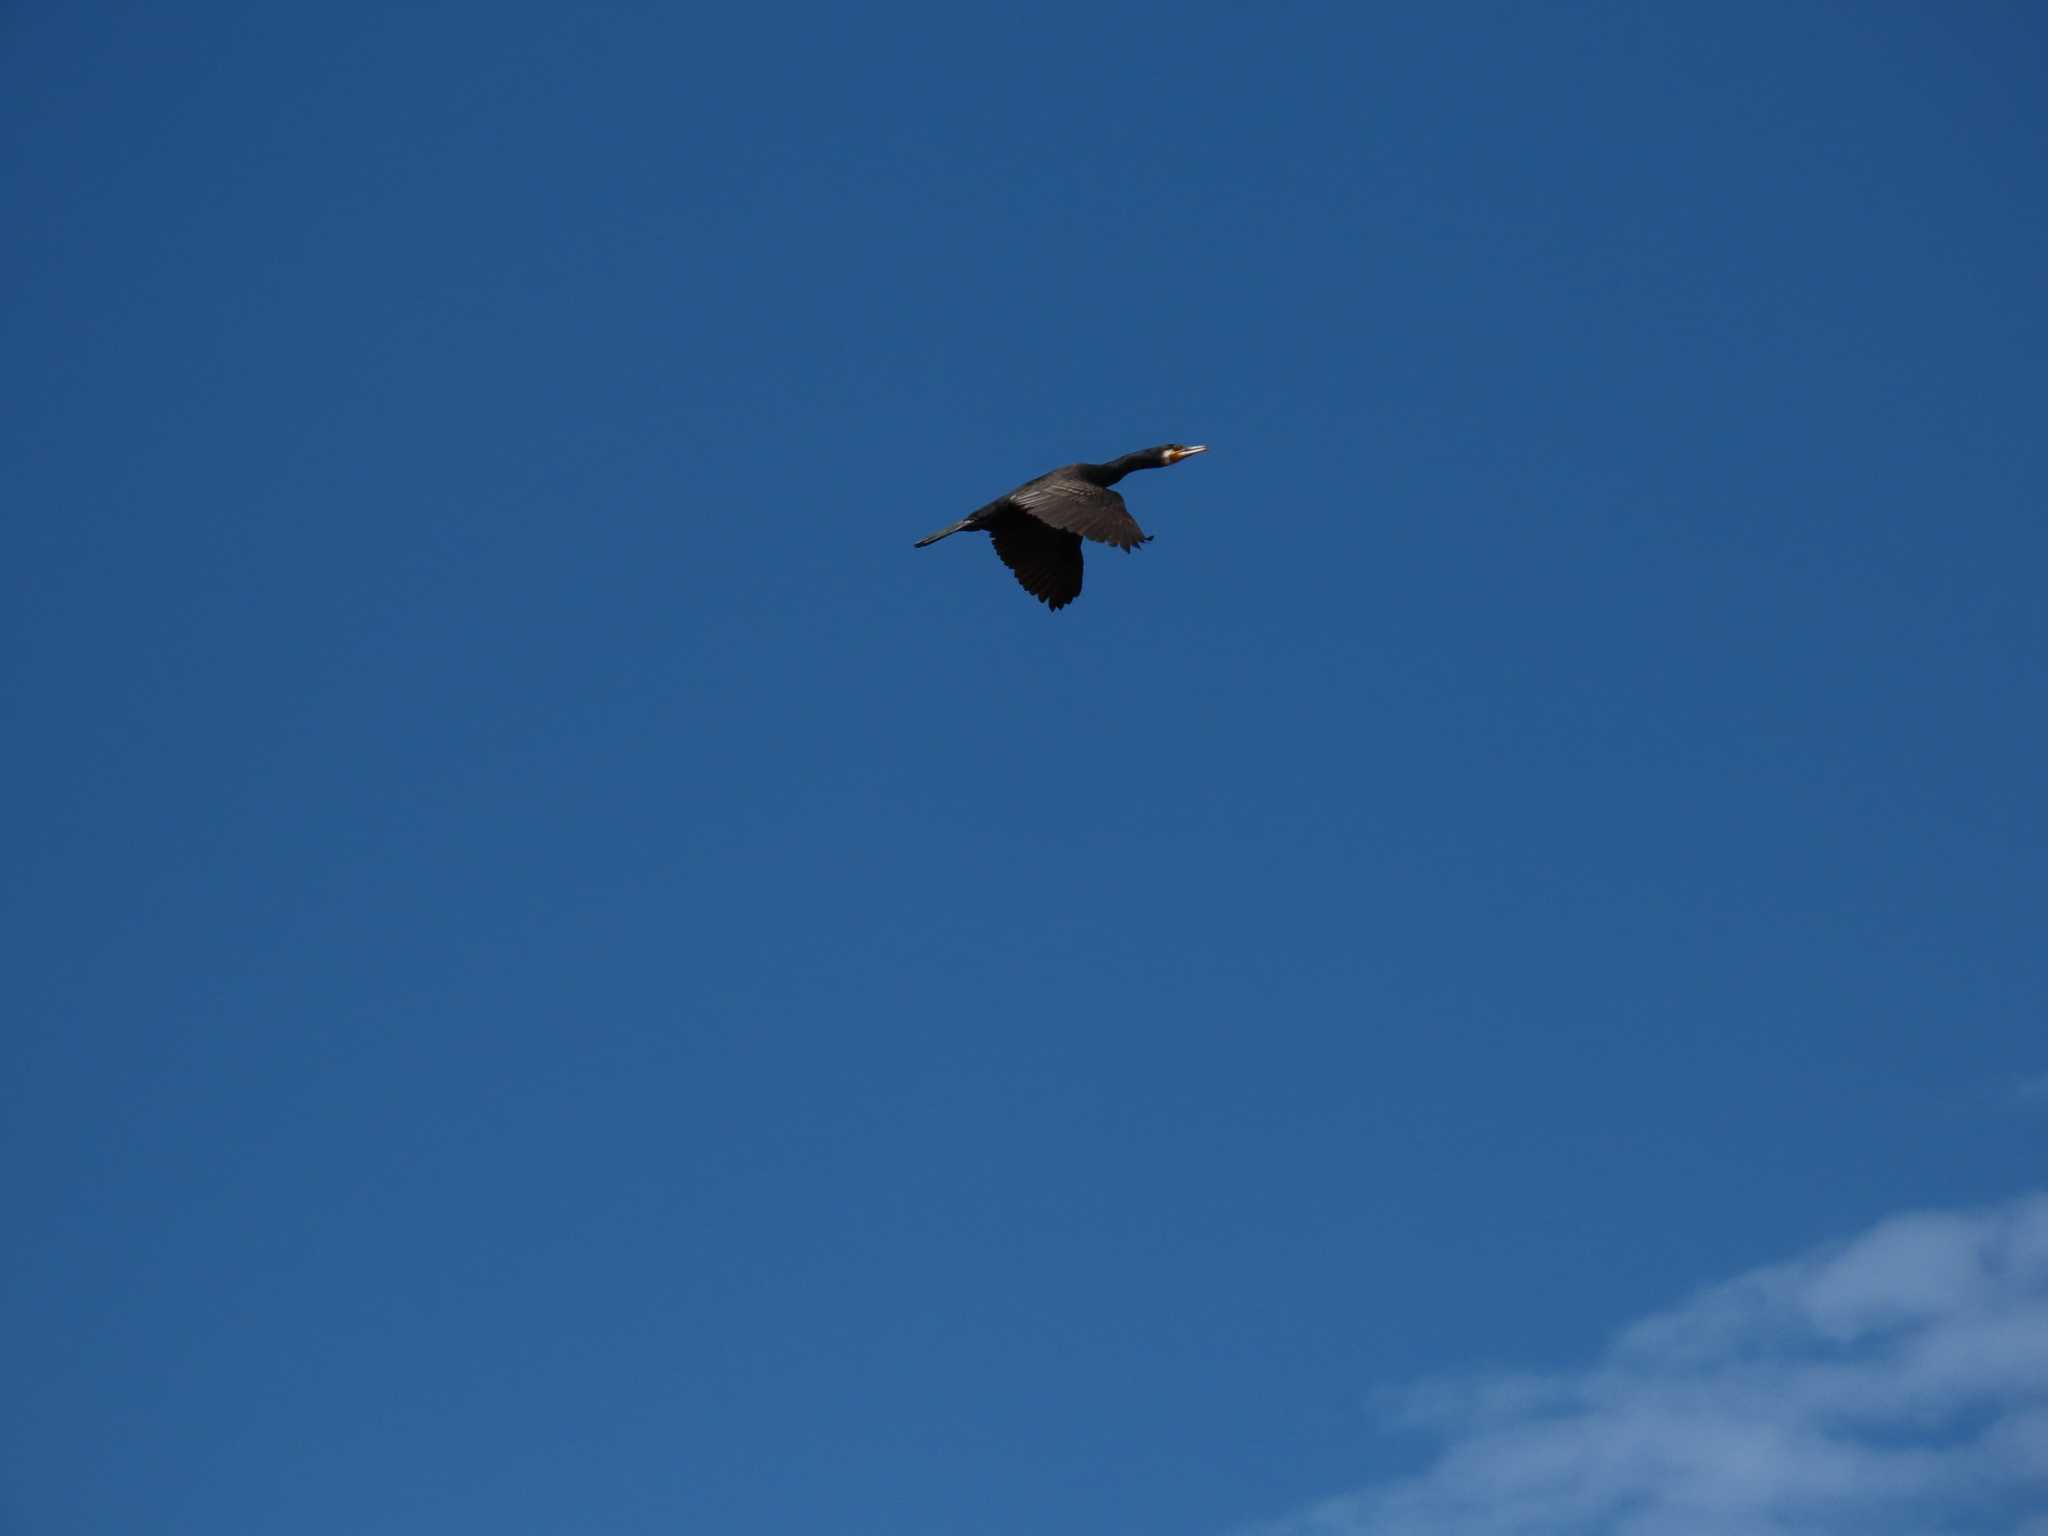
(933, 538)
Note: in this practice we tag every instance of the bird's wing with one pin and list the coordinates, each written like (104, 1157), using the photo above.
(1093, 511)
(1047, 561)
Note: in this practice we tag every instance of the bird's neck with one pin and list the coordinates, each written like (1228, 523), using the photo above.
(1116, 469)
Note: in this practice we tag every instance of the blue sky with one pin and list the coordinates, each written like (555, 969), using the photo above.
(566, 979)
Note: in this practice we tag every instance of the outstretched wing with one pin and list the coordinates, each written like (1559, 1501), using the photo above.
(1093, 511)
(1046, 560)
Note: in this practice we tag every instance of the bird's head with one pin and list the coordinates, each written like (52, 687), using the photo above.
(1173, 453)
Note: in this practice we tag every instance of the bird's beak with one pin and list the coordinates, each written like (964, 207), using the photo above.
(1188, 453)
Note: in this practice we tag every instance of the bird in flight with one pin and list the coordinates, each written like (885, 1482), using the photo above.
(1039, 526)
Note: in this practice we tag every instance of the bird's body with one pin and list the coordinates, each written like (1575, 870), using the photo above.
(1038, 527)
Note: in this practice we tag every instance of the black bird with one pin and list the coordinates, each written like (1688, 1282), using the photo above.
(1039, 526)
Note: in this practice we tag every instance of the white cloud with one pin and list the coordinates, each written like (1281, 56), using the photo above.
(1897, 1383)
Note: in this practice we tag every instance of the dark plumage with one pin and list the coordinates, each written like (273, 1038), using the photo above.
(1038, 527)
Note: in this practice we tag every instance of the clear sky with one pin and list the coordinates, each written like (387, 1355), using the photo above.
(563, 978)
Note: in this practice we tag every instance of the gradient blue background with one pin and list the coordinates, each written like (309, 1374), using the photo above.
(564, 979)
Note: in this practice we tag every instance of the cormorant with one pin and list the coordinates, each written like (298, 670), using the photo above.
(1039, 526)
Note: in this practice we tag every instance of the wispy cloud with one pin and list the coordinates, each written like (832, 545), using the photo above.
(1896, 1383)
